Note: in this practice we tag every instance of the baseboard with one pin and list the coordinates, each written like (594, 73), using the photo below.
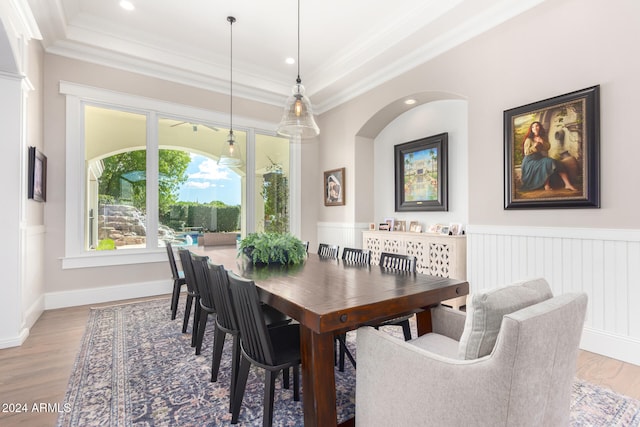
(15, 341)
(618, 347)
(73, 298)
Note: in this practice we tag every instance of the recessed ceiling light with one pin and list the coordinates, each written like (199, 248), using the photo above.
(126, 5)
(410, 101)
(290, 61)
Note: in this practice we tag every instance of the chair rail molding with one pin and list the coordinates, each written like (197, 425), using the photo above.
(604, 263)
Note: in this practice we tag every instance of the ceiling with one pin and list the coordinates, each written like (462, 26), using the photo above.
(346, 47)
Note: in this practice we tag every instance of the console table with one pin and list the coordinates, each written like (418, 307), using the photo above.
(436, 254)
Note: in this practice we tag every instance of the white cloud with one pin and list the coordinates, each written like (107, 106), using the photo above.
(210, 170)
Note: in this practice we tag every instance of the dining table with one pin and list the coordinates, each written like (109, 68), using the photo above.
(330, 296)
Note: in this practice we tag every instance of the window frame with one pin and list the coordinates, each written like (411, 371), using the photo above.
(77, 97)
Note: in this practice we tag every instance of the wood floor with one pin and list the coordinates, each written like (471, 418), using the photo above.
(38, 371)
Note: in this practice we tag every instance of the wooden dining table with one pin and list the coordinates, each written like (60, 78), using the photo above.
(328, 296)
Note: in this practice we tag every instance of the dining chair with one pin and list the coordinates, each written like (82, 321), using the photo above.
(178, 280)
(328, 251)
(272, 349)
(193, 295)
(217, 282)
(356, 256)
(207, 303)
(518, 370)
(397, 263)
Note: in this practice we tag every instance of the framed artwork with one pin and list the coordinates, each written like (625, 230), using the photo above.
(421, 174)
(552, 152)
(37, 180)
(334, 187)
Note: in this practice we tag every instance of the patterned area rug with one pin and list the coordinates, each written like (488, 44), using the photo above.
(136, 368)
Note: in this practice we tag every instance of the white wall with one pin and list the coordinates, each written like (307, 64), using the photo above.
(426, 120)
(555, 48)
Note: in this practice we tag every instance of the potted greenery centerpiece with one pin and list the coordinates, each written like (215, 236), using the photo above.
(273, 248)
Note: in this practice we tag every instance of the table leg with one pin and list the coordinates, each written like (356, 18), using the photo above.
(423, 322)
(318, 380)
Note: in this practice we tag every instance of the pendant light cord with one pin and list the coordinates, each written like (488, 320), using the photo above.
(298, 80)
(231, 20)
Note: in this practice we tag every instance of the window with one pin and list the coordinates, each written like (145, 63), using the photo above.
(142, 172)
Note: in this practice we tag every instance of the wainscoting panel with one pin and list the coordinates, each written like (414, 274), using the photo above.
(601, 262)
(343, 234)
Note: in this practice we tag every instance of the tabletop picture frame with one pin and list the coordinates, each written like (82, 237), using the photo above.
(334, 191)
(552, 152)
(37, 175)
(421, 174)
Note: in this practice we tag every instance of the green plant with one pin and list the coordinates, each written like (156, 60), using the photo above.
(267, 248)
(106, 245)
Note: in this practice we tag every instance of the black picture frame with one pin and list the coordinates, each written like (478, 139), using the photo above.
(570, 136)
(37, 180)
(421, 181)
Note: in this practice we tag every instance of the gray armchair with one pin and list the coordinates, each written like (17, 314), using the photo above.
(524, 380)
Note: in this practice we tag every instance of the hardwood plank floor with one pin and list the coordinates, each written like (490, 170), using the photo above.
(38, 371)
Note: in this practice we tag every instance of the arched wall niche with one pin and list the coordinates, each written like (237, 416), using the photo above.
(432, 113)
(391, 111)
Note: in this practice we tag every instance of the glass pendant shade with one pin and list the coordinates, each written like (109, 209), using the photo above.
(231, 156)
(297, 119)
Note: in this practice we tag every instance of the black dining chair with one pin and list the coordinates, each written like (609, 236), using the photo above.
(351, 256)
(328, 251)
(178, 280)
(207, 303)
(272, 349)
(397, 263)
(193, 295)
(356, 256)
(217, 282)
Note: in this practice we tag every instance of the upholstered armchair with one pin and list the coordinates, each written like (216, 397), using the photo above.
(456, 376)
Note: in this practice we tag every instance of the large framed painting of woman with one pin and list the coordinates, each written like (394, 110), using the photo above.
(552, 152)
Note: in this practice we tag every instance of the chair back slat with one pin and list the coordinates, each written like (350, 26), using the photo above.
(172, 262)
(254, 337)
(201, 269)
(328, 251)
(219, 281)
(356, 256)
(398, 262)
(189, 274)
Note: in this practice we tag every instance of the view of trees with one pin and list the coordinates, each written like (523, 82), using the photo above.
(129, 170)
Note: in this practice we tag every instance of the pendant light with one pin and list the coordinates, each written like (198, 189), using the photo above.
(231, 155)
(297, 119)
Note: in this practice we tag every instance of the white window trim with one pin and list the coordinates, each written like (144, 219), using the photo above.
(76, 95)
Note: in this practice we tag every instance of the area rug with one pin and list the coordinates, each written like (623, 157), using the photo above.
(136, 368)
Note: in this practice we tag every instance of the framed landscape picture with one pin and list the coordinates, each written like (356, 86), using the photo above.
(552, 152)
(421, 174)
(334, 187)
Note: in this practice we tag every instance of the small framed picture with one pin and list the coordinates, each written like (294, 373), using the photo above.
(372, 226)
(334, 187)
(413, 226)
(383, 227)
(444, 230)
(400, 226)
(455, 229)
(390, 222)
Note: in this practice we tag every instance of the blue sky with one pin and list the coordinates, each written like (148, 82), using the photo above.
(208, 182)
